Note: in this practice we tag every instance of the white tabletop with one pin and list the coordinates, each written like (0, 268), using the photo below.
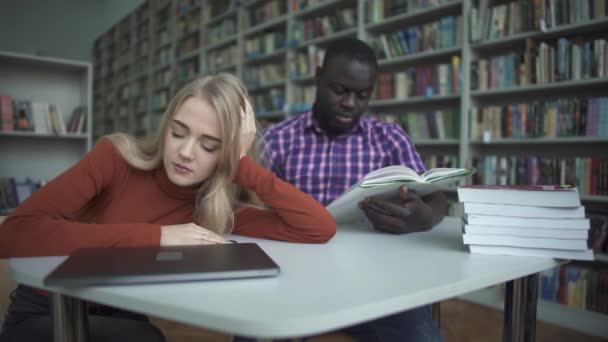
(361, 274)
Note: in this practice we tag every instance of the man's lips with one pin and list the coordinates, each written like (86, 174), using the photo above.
(344, 119)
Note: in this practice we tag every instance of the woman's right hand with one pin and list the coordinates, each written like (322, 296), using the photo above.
(188, 234)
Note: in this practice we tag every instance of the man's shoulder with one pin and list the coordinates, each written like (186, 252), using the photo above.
(376, 126)
(294, 123)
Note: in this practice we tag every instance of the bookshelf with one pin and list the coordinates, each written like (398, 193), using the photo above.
(273, 46)
(47, 147)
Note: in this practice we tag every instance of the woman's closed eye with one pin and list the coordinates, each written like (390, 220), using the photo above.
(177, 134)
(210, 147)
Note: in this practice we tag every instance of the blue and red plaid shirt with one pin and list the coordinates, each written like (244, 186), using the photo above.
(299, 152)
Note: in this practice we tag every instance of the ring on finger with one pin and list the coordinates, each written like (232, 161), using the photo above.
(203, 236)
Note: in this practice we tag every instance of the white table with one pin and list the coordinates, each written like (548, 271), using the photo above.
(358, 276)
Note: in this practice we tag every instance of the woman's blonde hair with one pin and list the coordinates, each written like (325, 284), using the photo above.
(217, 195)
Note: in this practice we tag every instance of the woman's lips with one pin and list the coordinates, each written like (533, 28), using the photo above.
(181, 169)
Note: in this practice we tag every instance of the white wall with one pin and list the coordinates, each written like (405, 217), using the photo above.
(58, 28)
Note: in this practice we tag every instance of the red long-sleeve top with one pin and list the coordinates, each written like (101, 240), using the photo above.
(103, 202)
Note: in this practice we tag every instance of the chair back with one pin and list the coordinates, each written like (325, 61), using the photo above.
(7, 285)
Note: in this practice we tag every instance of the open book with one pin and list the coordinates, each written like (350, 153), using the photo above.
(345, 208)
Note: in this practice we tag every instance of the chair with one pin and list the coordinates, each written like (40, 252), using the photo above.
(7, 285)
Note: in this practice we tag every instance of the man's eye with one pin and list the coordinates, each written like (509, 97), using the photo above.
(177, 135)
(339, 90)
(363, 95)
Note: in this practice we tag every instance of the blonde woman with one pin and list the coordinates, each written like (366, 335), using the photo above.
(196, 180)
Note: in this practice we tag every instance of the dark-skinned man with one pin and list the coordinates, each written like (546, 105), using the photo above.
(327, 149)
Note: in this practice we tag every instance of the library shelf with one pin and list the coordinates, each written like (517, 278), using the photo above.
(217, 19)
(589, 322)
(318, 8)
(275, 55)
(263, 87)
(540, 88)
(415, 17)
(351, 32)
(222, 42)
(26, 134)
(303, 79)
(561, 30)
(277, 21)
(436, 142)
(189, 55)
(414, 100)
(426, 56)
(542, 140)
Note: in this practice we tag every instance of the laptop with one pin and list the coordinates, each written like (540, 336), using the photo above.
(140, 265)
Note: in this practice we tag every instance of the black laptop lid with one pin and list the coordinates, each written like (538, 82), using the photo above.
(137, 265)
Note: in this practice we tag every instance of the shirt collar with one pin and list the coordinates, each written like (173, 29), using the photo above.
(311, 123)
(170, 189)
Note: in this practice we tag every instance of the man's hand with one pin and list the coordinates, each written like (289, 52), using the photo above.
(404, 211)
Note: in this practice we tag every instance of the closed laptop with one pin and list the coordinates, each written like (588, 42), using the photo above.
(138, 265)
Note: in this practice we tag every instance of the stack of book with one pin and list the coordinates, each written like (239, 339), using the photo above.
(530, 220)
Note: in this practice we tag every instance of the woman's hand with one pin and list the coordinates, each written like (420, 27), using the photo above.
(248, 128)
(188, 234)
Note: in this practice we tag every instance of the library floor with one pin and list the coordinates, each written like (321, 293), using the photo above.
(461, 321)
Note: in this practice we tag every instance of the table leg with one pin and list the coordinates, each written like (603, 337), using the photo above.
(521, 297)
(70, 319)
(436, 309)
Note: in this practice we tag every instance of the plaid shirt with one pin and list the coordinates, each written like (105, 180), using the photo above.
(299, 152)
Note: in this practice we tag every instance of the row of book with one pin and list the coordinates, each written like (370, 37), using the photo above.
(441, 34)
(226, 28)
(265, 44)
(271, 101)
(162, 57)
(42, 118)
(221, 58)
(529, 220)
(590, 175)
(378, 10)
(187, 22)
(575, 286)
(559, 118)
(433, 161)
(187, 70)
(306, 62)
(188, 45)
(264, 74)
(424, 80)
(323, 26)
(303, 98)
(267, 11)
(567, 60)
(13, 192)
(494, 20)
(438, 124)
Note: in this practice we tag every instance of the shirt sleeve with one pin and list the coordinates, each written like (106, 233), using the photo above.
(402, 149)
(293, 215)
(269, 153)
(46, 222)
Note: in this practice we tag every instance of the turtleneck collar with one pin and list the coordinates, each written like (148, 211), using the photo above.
(170, 189)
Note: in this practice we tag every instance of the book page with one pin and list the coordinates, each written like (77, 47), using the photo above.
(443, 174)
(389, 174)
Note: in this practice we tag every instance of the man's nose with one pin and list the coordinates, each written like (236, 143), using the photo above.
(349, 100)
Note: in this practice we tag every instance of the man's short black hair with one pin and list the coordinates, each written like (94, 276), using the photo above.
(351, 48)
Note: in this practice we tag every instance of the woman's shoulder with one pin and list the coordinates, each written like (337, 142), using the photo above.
(106, 155)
